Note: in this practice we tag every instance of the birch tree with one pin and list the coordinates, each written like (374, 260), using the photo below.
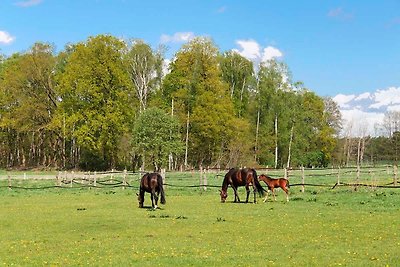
(145, 70)
(238, 73)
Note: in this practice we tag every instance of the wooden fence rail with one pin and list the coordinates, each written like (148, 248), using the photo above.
(208, 177)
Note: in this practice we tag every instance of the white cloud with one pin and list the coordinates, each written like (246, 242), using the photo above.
(165, 66)
(386, 97)
(270, 53)
(361, 123)
(363, 96)
(343, 100)
(6, 38)
(28, 3)
(364, 111)
(394, 108)
(251, 50)
(178, 37)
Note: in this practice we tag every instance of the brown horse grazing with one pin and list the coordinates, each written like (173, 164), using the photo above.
(241, 177)
(275, 183)
(151, 183)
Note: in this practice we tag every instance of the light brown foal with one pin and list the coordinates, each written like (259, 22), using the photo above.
(274, 183)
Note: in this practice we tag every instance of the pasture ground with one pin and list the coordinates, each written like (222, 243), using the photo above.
(105, 227)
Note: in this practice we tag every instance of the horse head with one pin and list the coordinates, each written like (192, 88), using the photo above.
(140, 199)
(224, 195)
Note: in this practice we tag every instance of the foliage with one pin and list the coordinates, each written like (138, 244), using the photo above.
(27, 105)
(80, 107)
(194, 81)
(156, 136)
(238, 73)
(94, 90)
(144, 67)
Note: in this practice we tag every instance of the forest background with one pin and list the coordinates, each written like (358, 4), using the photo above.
(108, 103)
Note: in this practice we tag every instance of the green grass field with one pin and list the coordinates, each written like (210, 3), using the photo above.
(105, 227)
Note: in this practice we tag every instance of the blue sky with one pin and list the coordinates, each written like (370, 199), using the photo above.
(334, 47)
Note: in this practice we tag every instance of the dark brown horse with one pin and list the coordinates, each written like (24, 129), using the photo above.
(241, 177)
(151, 183)
(275, 183)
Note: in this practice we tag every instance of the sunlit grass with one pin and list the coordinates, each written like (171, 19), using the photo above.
(103, 227)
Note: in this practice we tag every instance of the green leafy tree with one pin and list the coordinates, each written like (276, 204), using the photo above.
(238, 73)
(95, 111)
(156, 136)
(202, 101)
(316, 142)
(28, 103)
(144, 67)
(271, 116)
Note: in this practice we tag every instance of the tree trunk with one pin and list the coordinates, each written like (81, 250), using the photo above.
(257, 129)
(290, 147)
(187, 140)
(276, 141)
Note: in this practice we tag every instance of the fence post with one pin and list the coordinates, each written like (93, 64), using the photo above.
(285, 175)
(201, 177)
(395, 175)
(95, 179)
(124, 180)
(205, 180)
(70, 179)
(357, 178)
(373, 184)
(163, 178)
(58, 179)
(9, 182)
(338, 176)
(302, 179)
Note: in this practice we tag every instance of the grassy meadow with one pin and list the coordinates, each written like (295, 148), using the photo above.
(104, 226)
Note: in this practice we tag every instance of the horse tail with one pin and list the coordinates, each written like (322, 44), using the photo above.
(161, 189)
(259, 187)
(287, 183)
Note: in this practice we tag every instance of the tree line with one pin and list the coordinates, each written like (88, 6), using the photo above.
(109, 103)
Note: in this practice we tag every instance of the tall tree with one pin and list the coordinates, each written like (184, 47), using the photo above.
(238, 73)
(333, 116)
(145, 70)
(156, 137)
(272, 86)
(95, 108)
(29, 104)
(201, 98)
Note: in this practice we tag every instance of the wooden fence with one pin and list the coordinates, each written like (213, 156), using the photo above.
(384, 176)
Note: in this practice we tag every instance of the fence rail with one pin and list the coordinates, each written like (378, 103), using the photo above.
(381, 177)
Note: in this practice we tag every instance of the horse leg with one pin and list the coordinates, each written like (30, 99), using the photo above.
(255, 192)
(266, 197)
(155, 198)
(273, 193)
(152, 200)
(247, 194)
(141, 198)
(236, 194)
(287, 193)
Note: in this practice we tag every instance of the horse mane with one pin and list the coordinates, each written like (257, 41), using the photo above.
(228, 175)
